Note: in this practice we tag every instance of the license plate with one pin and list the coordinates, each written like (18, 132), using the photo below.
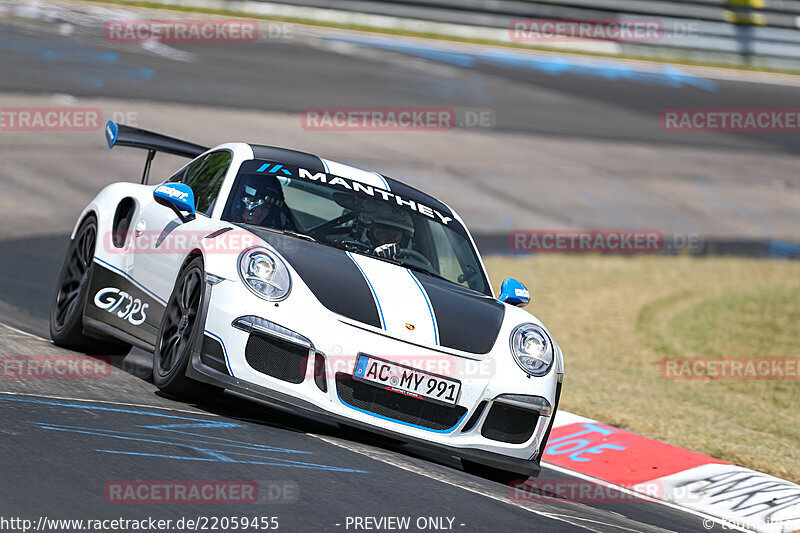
(406, 380)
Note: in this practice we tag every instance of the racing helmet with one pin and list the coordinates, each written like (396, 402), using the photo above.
(261, 190)
(388, 220)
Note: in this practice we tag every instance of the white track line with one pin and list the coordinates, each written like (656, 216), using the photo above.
(584, 523)
(23, 333)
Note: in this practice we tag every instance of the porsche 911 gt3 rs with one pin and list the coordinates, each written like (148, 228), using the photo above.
(317, 286)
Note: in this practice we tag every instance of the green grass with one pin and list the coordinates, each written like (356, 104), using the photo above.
(616, 318)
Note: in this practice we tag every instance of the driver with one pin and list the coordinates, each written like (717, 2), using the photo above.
(262, 202)
(391, 230)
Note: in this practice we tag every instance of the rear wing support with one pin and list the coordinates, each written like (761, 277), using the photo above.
(146, 174)
(122, 135)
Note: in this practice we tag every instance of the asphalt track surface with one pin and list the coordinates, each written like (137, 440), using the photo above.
(64, 440)
(572, 142)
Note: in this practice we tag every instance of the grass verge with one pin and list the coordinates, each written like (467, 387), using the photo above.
(617, 317)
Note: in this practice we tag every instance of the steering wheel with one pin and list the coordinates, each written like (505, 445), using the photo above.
(413, 254)
(353, 245)
(323, 228)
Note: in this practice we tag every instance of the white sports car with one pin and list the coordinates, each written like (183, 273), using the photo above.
(317, 286)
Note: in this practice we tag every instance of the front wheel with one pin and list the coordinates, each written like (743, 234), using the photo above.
(176, 336)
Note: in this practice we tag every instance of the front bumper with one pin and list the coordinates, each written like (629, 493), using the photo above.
(484, 379)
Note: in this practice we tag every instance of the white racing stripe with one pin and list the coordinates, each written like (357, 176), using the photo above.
(406, 311)
(353, 173)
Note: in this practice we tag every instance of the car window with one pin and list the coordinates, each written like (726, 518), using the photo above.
(178, 176)
(358, 220)
(205, 177)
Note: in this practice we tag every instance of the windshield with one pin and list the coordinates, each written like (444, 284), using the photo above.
(355, 217)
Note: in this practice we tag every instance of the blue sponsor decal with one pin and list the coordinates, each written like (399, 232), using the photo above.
(274, 170)
(179, 195)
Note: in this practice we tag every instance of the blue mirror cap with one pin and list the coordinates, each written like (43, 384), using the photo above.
(179, 195)
(513, 292)
(112, 130)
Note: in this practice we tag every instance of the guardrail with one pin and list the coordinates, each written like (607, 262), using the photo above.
(760, 33)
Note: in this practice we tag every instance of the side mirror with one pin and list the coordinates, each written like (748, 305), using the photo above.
(177, 196)
(514, 292)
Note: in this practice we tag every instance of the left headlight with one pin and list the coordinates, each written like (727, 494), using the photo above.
(264, 273)
(532, 349)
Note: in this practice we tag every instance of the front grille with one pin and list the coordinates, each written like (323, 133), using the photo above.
(273, 357)
(506, 423)
(397, 406)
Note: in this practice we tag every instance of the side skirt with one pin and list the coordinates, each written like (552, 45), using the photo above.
(92, 327)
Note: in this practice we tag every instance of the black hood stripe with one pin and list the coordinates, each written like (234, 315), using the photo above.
(330, 274)
(466, 320)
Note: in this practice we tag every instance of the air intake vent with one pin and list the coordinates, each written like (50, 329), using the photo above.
(212, 355)
(397, 406)
(506, 423)
(281, 360)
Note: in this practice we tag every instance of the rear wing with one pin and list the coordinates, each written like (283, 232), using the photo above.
(122, 135)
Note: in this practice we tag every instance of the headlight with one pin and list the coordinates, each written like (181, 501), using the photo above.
(264, 274)
(532, 349)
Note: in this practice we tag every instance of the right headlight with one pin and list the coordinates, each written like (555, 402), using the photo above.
(264, 274)
(532, 349)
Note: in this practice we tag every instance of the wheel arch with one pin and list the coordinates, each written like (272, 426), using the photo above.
(88, 212)
(191, 256)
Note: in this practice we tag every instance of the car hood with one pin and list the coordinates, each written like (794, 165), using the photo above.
(408, 305)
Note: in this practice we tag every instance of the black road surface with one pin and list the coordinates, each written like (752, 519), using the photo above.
(328, 68)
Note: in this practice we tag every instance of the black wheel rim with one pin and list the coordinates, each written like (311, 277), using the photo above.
(180, 318)
(75, 276)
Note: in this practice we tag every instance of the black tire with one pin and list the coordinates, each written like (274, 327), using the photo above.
(66, 312)
(494, 474)
(176, 336)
